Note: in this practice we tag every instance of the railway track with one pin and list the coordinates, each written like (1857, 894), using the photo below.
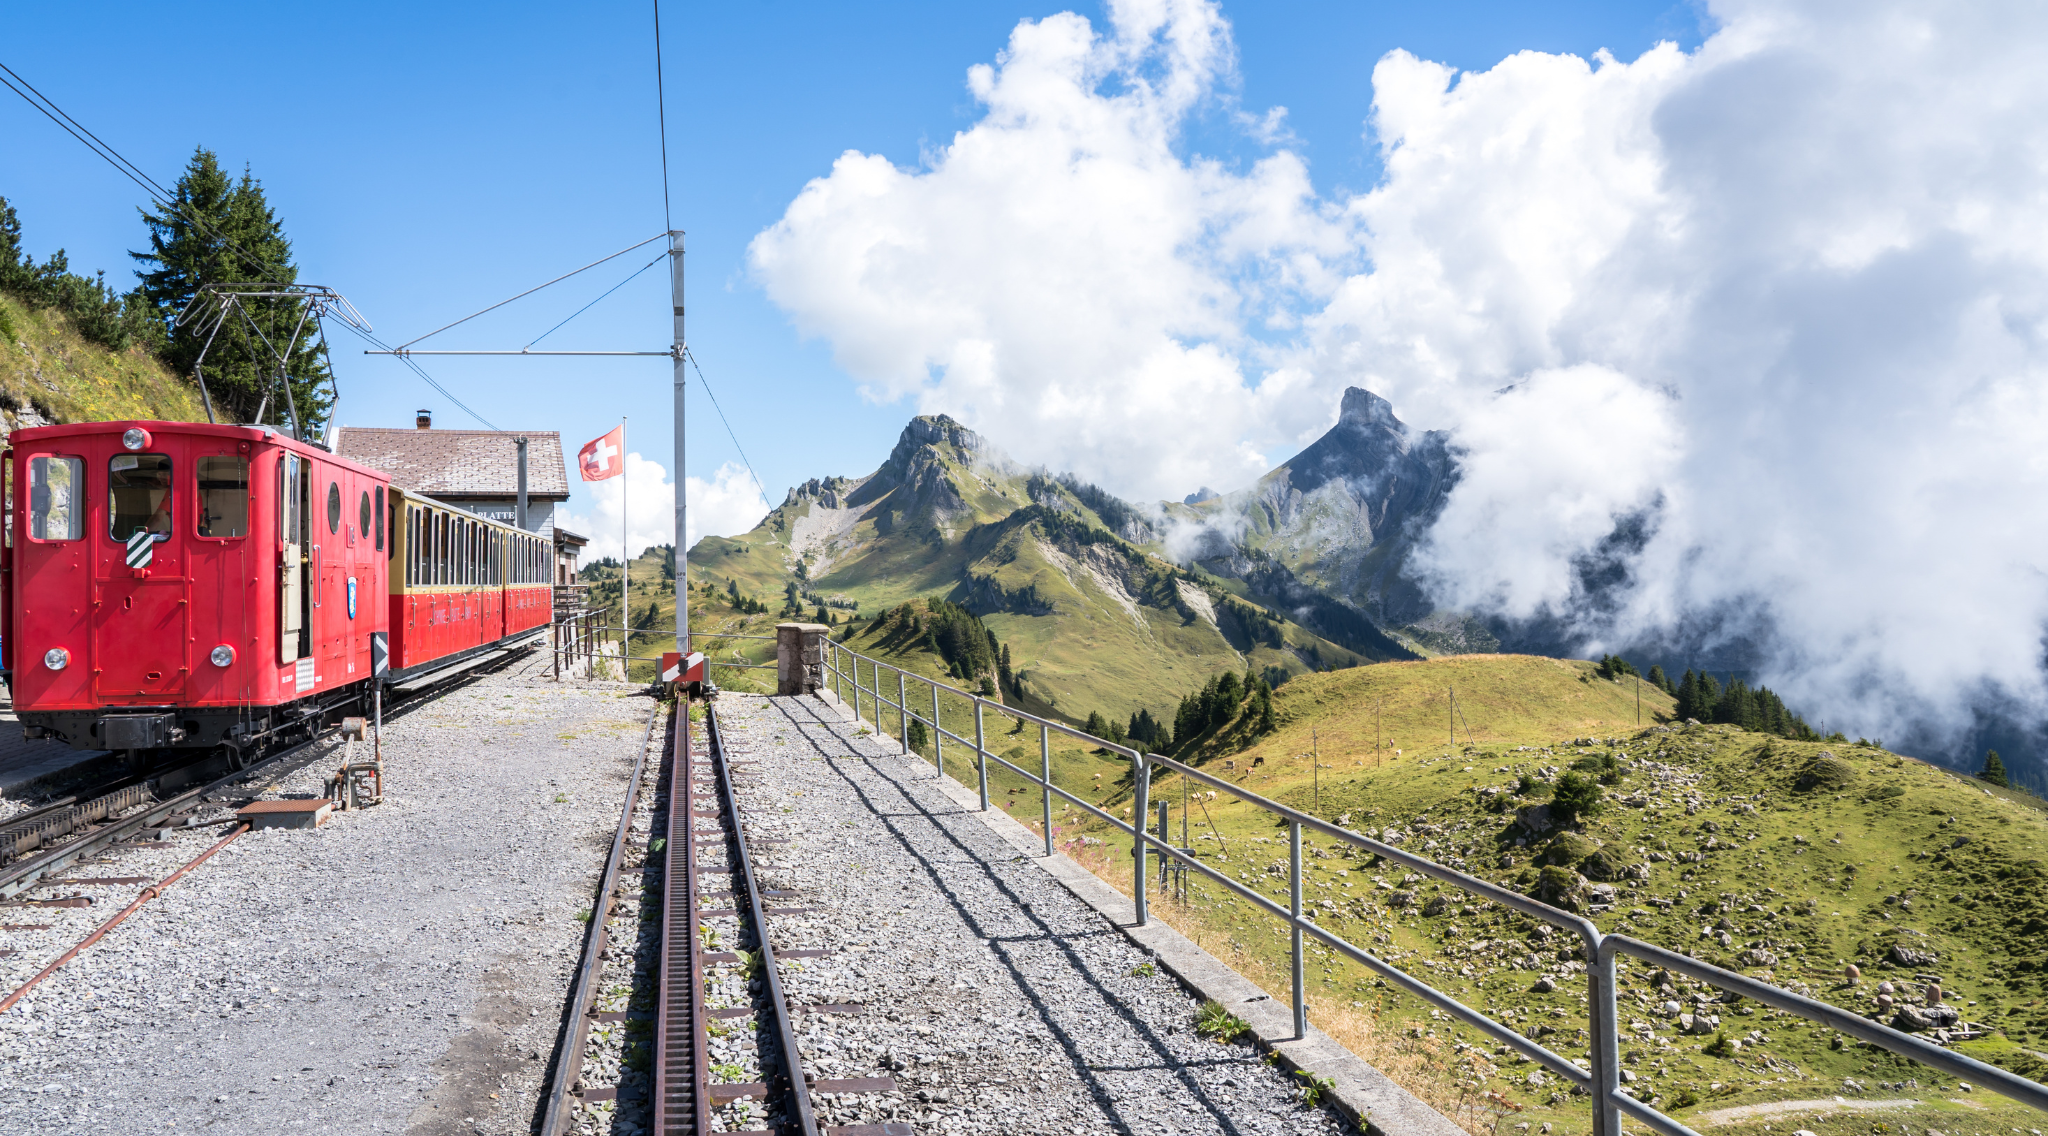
(703, 1008)
(36, 846)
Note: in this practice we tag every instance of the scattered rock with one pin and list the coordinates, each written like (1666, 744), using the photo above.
(1902, 955)
(1912, 1019)
(1544, 985)
(1437, 905)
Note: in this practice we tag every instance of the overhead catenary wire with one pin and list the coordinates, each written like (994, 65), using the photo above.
(661, 116)
(594, 303)
(692, 356)
(530, 291)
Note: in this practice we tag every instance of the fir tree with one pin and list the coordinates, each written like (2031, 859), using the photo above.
(222, 231)
(1577, 796)
(1994, 769)
(1662, 681)
(1689, 696)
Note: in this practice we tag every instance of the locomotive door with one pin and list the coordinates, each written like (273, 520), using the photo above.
(141, 612)
(291, 580)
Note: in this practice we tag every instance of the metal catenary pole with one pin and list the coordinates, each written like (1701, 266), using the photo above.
(681, 552)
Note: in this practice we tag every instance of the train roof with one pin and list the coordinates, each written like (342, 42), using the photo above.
(264, 435)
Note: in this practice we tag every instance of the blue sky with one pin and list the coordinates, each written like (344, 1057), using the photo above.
(430, 159)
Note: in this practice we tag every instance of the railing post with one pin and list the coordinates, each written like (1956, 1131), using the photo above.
(1143, 781)
(1165, 862)
(980, 754)
(1294, 906)
(1045, 780)
(1606, 1055)
(902, 711)
(938, 739)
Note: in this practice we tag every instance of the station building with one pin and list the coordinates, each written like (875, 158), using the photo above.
(477, 471)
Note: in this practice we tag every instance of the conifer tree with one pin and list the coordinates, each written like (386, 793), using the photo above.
(1662, 681)
(223, 231)
(1689, 696)
(1994, 769)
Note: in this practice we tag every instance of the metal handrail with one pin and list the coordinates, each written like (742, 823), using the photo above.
(1602, 1080)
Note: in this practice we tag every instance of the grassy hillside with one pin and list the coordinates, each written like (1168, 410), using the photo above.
(1784, 860)
(1094, 622)
(50, 371)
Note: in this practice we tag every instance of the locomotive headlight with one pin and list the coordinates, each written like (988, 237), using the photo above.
(223, 656)
(56, 658)
(135, 437)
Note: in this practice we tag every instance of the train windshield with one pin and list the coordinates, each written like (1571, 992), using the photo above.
(139, 496)
(54, 511)
(223, 496)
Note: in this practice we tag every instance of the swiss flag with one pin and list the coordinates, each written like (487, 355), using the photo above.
(605, 457)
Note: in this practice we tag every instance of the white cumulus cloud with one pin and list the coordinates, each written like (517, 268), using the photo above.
(1782, 299)
(729, 504)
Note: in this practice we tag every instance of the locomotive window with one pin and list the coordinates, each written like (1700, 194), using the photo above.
(54, 511)
(380, 518)
(363, 516)
(223, 496)
(139, 496)
(333, 507)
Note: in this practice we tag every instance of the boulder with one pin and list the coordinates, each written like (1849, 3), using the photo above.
(1611, 864)
(1437, 905)
(1903, 955)
(1400, 899)
(1533, 820)
(1914, 1018)
(1756, 956)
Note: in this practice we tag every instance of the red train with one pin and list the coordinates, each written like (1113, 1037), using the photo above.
(175, 585)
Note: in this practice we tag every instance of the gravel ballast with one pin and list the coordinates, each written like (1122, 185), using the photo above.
(997, 999)
(402, 969)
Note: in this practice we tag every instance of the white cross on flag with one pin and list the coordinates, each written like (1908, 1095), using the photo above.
(604, 457)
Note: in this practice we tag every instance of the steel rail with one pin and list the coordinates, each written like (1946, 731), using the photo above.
(778, 1003)
(1602, 1080)
(575, 1033)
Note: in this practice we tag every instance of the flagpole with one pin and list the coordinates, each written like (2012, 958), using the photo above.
(625, 557)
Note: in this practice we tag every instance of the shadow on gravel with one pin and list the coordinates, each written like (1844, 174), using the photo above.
(1166, 1059)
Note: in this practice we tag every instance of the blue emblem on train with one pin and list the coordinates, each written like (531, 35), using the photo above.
(351, 597)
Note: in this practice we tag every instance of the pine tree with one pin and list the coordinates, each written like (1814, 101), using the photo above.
(1662, 681)
(222, 231)
(1994, 769)
(1689, 696)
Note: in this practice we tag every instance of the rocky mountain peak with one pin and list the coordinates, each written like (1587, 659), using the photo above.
(1361, 407)
(932, 430)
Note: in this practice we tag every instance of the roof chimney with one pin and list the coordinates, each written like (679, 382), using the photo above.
(425, 420)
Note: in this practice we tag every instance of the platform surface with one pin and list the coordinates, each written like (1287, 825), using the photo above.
(23, 762)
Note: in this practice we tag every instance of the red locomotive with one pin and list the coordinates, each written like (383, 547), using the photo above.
(176, 585)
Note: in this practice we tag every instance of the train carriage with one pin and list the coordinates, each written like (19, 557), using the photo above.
(173, 585)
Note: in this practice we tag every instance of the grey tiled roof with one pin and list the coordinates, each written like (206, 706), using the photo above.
(460, 463)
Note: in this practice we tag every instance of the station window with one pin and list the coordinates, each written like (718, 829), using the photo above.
(139, 496)
(54, 511)
(223, 496)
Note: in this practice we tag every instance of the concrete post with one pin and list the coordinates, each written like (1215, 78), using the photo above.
(800, 657)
